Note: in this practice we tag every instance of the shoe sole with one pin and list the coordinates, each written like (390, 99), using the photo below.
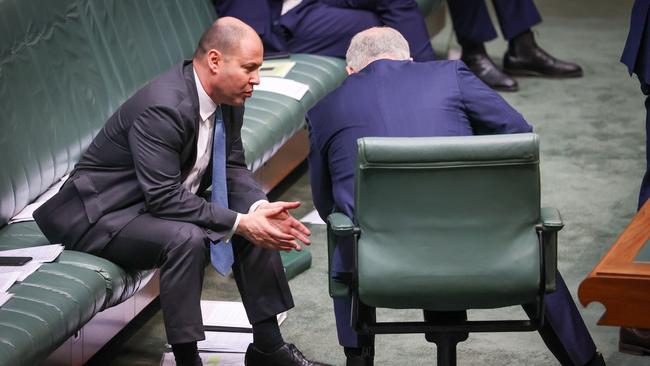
(632, 349)
(505, 89)
(516, 72)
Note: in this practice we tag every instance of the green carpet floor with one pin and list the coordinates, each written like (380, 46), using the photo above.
(592, 146)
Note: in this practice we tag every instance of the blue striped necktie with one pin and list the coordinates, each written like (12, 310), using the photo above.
(221, 254)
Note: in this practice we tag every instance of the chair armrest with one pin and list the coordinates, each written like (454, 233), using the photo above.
(338, 225)
(551, 219)
(551, 223)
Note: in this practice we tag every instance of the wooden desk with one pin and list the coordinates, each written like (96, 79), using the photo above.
(621, 281)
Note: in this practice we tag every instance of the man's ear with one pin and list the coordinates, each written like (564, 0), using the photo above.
(350, 70)
(215, 59)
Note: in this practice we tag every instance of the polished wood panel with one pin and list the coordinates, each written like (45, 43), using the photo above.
(618, 282)
(284, 161)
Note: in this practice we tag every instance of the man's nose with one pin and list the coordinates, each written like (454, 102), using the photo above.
(255, 78)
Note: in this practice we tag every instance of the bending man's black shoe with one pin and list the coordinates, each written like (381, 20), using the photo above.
(597, 360)
(525, 58)
(287, 355)
(362, 356)
(484, 68)
(634, 341)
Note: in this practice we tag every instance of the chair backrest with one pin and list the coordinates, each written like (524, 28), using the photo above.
(65, 66)
(448, 223)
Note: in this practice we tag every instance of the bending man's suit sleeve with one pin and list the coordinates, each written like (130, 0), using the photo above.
(488, 112)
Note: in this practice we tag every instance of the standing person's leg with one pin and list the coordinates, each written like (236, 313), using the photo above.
(181, 252)
(323, 29)
(524, 56)
(564, 332)
(473, 27)
(644, 194)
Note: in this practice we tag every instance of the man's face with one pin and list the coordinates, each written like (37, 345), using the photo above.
(239, 72)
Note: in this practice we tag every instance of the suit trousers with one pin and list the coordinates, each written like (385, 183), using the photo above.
(564, 332)
(181, 251)
(323, 29)
(644, 193)
(472, 23)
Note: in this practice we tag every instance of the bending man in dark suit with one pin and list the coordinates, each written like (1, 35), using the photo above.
(134, 197)
(387, 94)
(325, 27)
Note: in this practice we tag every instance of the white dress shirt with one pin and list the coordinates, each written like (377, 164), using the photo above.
(207, 108)
(288, 5)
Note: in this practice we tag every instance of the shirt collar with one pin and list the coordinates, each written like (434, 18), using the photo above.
(206, 105)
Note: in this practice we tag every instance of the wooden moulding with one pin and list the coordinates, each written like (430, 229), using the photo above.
(284, 161)
(618, 282)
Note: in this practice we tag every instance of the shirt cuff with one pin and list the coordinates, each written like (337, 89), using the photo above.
(253, 207)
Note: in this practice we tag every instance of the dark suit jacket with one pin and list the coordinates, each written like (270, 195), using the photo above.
(635, 54)
(137, 164)
(396, 99)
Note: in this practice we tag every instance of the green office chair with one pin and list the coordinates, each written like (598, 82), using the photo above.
(447, 224)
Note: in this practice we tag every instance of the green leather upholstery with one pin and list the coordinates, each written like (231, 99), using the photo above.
(65, 66)
(449, 223)
(458, 229)
(427, 6)
(271, 119)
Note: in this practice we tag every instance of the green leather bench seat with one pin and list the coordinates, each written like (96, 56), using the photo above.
(118, 283)
(65, 66)
(271, 119)
(46, 309)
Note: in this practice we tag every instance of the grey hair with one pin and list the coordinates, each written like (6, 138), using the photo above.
(376, 43)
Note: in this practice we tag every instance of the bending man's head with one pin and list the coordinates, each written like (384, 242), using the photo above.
(375, 44)
(227, 61)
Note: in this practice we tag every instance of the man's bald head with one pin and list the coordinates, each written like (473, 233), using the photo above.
(225, 35)
(374, 44)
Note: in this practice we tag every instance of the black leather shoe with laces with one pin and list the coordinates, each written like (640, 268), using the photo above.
(287, 355)
(484, 68)
(525, 58)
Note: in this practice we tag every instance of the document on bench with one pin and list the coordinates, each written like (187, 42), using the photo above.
(288, 87)
(7, 279)
(24, 270)
(276, 68)
(228, 316)
(26, 214)
(42, 253)
(4, 296)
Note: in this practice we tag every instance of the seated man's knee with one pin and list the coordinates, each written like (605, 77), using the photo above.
(190, 240)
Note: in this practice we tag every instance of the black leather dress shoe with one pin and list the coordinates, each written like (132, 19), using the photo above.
(525, 58)
(287, 355)
(484, 68)
(597, 360)
(634, 341)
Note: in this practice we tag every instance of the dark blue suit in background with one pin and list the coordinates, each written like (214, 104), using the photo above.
(636, 57)
(473, 25)
(325, 27)
(404, 99)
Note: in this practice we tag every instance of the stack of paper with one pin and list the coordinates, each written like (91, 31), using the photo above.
(290, 88)
(276, 68)
(209, 359)
(26, 214)
(228, 334)
(11, 274)
(228, 316)
(42, 253)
